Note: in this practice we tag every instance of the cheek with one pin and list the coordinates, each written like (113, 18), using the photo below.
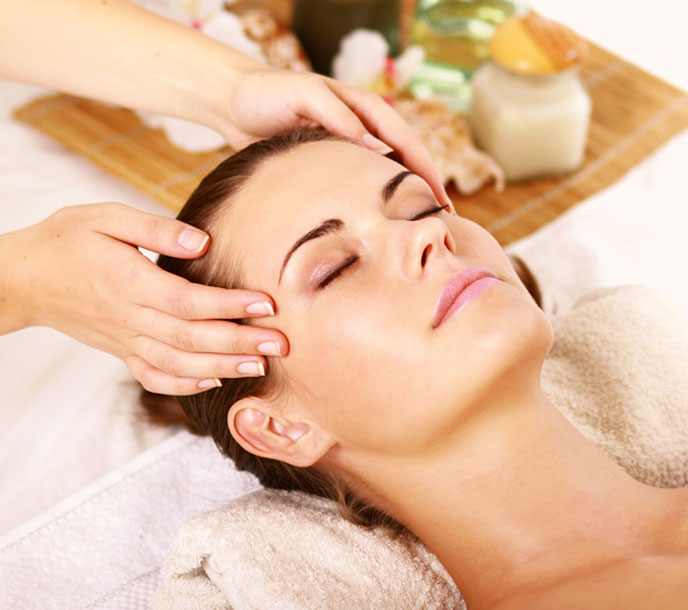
(363, 368)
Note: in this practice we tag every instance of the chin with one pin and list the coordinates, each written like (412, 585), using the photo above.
(513, 324)
(500, 337)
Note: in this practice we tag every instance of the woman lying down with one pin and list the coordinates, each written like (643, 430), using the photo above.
(412, 393)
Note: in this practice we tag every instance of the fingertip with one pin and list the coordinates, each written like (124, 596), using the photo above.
(251, 368)
(432, 176)
(378, 146)
(260, 308)
(156, 381)
(444, 196)
(270, 348)
(418, 160)
(434, 181)
(284, 345)
(275, 345)
(193, 240)
(207, 384)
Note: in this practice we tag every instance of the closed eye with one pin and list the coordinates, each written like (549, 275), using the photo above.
(354, 258)
(347, 263)
(430, 212)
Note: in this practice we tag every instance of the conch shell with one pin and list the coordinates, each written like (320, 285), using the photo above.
(448, 138)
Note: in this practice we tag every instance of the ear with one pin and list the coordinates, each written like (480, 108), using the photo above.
(261, 428)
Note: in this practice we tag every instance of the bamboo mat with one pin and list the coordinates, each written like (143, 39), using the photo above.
(633, 114)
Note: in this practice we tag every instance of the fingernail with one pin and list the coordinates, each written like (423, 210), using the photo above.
(251, 368)
(262, 308)
(269, 348)
(206, 384)
(377, 145)
(193, 239)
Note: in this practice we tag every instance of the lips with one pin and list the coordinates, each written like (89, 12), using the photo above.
(460, 290)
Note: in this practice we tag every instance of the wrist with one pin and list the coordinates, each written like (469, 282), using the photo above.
(15, 305)
(217, 85)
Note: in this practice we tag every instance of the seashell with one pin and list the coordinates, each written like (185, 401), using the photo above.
(448, 138)
(533, 44)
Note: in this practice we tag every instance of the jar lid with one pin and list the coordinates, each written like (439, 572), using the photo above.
(532, 44)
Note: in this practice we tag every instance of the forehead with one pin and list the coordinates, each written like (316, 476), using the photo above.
(327, 169)
(293, 192)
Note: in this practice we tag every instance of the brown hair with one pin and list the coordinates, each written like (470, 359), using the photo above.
(206, 413)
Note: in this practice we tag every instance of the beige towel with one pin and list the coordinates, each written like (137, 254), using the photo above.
(617, 370)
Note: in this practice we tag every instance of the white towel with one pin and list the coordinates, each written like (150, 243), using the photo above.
(102, 547)
(289, 551)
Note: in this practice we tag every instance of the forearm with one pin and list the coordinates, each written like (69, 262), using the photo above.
(118, 52)
(14, 309)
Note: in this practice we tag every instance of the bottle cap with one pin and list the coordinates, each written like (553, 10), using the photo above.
(532, 44)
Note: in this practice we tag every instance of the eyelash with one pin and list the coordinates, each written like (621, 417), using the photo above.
(353, 258)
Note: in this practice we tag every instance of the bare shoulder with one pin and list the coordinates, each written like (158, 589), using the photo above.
(648, 582)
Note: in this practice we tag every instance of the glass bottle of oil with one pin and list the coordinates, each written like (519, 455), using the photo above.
(455, 35)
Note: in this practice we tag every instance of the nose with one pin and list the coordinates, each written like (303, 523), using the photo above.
(424, 241)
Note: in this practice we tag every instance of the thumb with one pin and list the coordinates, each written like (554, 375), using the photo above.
(152, 232)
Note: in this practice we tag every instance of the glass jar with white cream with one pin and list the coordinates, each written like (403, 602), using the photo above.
(530, 110)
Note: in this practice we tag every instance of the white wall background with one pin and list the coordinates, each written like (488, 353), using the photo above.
(652, 35)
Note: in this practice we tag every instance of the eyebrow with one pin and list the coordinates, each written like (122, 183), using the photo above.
(393, 184)
(333, 225)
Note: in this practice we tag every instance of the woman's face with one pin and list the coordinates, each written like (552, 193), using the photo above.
(357, 256)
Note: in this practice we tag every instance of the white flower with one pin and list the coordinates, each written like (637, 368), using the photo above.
(362, 61)
(361, 58)
(406, 64)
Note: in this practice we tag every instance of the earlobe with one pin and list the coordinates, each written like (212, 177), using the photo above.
(260, 429)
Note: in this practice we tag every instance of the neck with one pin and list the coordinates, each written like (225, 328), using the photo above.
(521, 498)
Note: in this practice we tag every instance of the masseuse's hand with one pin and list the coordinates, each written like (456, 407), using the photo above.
(77, 272)
(263, 101)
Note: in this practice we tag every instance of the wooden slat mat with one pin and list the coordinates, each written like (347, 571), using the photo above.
(633, 114)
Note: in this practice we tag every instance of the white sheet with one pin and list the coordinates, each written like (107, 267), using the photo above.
(64, 408)
(103, 546)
